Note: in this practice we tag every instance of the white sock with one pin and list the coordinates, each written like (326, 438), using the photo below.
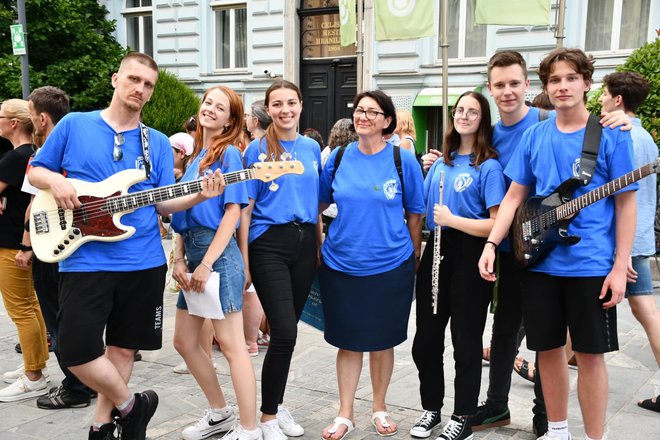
(559, 430)
(586, 437)
(271, 423)
(222, 412)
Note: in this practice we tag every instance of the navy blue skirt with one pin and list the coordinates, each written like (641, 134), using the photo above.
(367, 313)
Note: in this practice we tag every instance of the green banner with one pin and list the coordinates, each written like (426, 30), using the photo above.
(513, 12)
(404, 19)
(347, 21)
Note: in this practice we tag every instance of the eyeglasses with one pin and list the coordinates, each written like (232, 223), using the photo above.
(471, 114)
(117, 153)
(370, 114)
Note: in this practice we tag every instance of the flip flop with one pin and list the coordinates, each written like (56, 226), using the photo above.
(337, 422)
(523, 370)
(650, 404)
(382, 417)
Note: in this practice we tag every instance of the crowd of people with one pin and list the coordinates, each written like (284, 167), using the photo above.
(354, 216)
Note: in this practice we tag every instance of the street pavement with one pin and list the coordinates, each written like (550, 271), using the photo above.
(312, 393)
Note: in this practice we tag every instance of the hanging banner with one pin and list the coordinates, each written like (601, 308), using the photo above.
(513, 12)
(404, 19)
(347, 22)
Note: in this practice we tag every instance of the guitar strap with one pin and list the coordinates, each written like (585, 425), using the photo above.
(144, 130)
(590, 147)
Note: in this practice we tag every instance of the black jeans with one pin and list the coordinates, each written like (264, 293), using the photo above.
(506, 337)
(463, 297)
(46, 281)
(282, 265)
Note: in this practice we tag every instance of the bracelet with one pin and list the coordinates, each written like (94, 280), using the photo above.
(176, 260)
(203, 263)
(24, 248)
(491, 242)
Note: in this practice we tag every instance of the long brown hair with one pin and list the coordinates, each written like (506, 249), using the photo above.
(483, 145)
(273, 147)
(231, 135)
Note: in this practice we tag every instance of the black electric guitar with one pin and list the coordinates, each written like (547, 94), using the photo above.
(541, 223)
(56, 232)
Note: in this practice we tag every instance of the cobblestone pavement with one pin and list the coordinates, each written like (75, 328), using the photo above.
(312, 395)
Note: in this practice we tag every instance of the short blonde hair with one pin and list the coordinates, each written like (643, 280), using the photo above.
(18, 109)
(405, 125)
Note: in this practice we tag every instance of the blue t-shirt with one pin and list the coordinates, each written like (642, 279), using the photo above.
(209, 213)
(296, 197)
(645, 152)
(81, 146)
(369, 235)
(468, 192)
(545, 158)
(505, 140)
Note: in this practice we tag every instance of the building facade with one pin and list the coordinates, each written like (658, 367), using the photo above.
(246, 44)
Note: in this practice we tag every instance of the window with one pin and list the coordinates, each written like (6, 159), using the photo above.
(466, 39)
(230, 37)
(139, 26)
(616, 24)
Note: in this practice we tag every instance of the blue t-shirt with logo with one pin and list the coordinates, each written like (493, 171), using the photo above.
(369, 235)
(469, 191)
(545, 158)
(505, 140)
(81, 146)
(296, 196)
(210, 212)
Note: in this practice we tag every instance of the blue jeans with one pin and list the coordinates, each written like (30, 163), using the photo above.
(644, 284)
(229, 265)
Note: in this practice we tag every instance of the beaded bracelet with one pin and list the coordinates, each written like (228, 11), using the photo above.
(203, 263)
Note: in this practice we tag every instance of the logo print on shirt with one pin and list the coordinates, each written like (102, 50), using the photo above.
(462, 182)
(390, 189)
(576, 168)
(315, 164)
(139, 163)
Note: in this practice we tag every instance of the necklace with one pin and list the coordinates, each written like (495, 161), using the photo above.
(286, 155)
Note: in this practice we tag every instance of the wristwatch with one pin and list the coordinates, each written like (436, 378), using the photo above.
(24, 248)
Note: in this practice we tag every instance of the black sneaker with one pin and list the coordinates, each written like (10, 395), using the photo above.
(59, 398)
(458, 428)
(540, 425)
(490, 417)
(133, 426)
(425, 424)
(106, 432)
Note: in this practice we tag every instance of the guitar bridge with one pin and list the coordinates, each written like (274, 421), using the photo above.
(41, 222)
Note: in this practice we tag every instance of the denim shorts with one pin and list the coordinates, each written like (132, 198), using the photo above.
(644, 284)
(229, 266)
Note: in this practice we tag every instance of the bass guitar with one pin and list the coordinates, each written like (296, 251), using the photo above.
(541, 223)
(56, 232)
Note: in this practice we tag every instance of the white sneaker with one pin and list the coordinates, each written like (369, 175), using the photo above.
(240, 433)
(24, 388)
(288, 426)
(551, 436)
(11, 376)
(207, 427)
(272, 432)
(182, 368)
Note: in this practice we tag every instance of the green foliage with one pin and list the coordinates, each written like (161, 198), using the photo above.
(645, 61)
(171, 104)
(70, 46)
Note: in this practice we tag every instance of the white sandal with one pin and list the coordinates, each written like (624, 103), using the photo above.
(337, 424)
(382, 418)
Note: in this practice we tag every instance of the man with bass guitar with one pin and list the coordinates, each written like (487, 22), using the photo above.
(576, 286)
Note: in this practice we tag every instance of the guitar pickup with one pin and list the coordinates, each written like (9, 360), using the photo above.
(41, 222)
(60, 214)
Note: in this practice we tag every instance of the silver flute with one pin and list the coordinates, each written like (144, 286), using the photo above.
(435, 268)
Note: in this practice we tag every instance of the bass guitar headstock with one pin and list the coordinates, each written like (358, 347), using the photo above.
(267, 171)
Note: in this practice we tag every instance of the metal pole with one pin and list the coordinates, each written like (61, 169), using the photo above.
(25, 71)
(559, 33)
(359, 51)
(445, 65)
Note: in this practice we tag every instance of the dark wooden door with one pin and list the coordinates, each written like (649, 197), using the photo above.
(328, 88)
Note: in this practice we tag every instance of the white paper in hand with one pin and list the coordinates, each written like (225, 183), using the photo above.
(206, 304)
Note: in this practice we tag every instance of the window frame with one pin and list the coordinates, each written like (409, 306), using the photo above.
(227, 5)
(140, 12)
(461, 58)
(615, 31)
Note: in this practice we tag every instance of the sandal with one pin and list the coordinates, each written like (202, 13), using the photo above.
(522, 367)
(650, 404)
(337, 423)
(382, 417)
